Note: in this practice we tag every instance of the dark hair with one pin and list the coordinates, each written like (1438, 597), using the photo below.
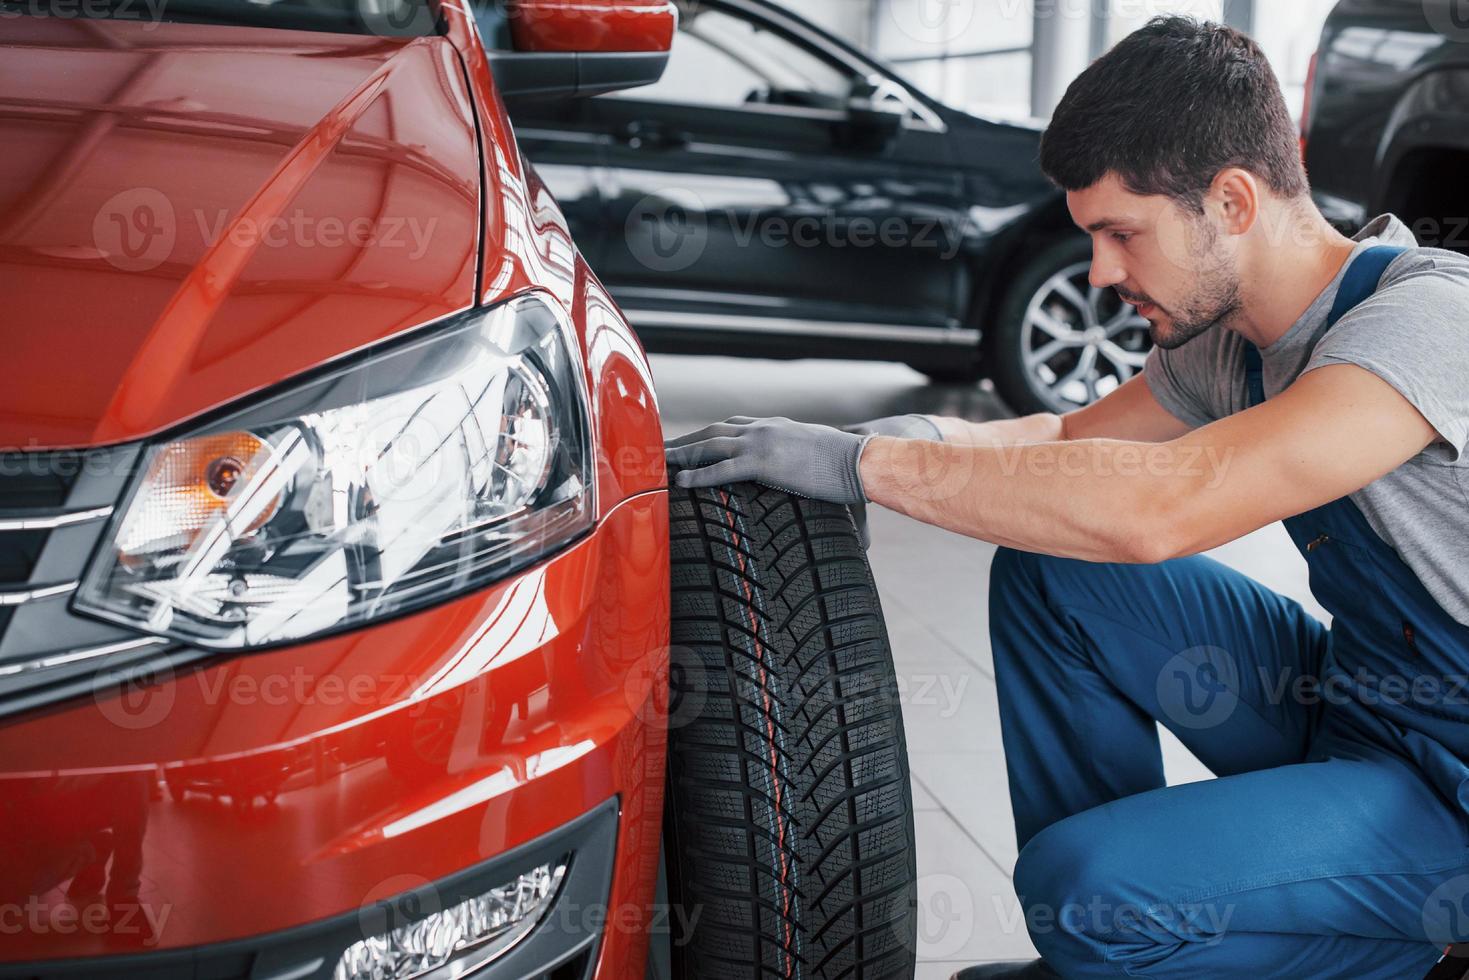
(1168, 108)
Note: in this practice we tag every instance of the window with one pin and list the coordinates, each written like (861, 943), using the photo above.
(721, 60)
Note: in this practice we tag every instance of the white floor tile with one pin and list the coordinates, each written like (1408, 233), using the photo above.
(1179, 764)
(948, 704)
(973, 790)
(967, 909)
(923, 800)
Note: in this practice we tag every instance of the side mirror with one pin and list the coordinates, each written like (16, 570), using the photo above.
(560, 48)
(873, 120)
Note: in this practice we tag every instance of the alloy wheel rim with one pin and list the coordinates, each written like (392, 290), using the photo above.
(1079, 343)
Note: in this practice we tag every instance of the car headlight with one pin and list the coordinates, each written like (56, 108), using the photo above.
(408, 477)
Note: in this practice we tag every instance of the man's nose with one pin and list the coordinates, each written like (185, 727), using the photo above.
(1105, 274)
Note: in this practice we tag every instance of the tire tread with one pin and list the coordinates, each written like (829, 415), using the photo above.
(825, 876)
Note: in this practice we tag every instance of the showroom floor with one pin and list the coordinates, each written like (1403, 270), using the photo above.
(933, 585)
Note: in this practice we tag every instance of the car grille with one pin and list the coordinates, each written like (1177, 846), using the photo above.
(54, 508)
(30, 484)
(37, 481)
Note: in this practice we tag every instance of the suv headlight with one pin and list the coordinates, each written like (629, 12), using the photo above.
(411, 476)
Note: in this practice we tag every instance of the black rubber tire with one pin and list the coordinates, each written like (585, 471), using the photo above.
(788, 826)
(1003, 360)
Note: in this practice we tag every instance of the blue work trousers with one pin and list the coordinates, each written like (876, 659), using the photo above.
(1321, 850)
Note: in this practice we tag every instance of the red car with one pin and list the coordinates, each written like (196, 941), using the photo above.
(336, 539)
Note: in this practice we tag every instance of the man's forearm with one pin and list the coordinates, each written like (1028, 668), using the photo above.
(1002, 432)
(1097, 500)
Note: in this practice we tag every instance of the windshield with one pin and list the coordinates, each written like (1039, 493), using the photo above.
(385, 18)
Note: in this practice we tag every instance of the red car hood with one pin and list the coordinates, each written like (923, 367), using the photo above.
(189, 213)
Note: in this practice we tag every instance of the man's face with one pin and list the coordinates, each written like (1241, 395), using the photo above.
(1175, 266)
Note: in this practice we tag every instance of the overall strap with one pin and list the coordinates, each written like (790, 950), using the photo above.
(1254, 375)
(1361, 281)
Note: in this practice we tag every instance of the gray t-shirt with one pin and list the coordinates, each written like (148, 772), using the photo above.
(1413, 334)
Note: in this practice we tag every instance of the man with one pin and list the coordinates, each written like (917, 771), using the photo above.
(1298, 375)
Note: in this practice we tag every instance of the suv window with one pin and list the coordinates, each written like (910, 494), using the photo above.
(725, 61)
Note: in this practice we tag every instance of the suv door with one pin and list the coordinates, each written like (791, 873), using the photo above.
(748, 192)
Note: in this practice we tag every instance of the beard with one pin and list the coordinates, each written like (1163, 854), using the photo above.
(1211, 306)
(1215, 300)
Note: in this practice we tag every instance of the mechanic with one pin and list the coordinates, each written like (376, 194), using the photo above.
(1326, 377)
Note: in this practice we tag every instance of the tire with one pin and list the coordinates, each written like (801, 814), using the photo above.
(1024, 389)
(788, 826)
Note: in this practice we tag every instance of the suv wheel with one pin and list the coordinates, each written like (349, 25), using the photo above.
(788, 828)
(1059, 343)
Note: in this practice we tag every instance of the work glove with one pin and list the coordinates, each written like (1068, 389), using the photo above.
(899, 427)
(815, 461)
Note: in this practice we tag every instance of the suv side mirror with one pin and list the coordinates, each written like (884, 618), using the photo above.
(559, 48)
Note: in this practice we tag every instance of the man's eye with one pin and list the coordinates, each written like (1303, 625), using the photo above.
(1122, 236)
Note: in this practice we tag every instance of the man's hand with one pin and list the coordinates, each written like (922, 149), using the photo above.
(815, 461)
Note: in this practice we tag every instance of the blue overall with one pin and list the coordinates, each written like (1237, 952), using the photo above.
(1334, 843)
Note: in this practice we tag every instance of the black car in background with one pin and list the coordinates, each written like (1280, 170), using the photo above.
(1387, 121)
(780, 194)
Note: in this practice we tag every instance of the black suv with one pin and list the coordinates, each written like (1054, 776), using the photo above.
(1387, 120)
(780, 194)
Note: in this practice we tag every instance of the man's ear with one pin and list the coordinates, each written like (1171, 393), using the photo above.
(1234, 197)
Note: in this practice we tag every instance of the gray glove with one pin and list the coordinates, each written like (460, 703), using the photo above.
(815, 461)
(900, 427)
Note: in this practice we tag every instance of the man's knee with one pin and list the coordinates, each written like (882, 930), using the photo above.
(1056, 882)
(1084, 886)
(1059, 876)
(1078, 896)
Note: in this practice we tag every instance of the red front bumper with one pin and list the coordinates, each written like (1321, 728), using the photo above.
(262, 792)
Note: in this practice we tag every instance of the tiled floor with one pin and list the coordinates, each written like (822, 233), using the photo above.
(933, 586)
